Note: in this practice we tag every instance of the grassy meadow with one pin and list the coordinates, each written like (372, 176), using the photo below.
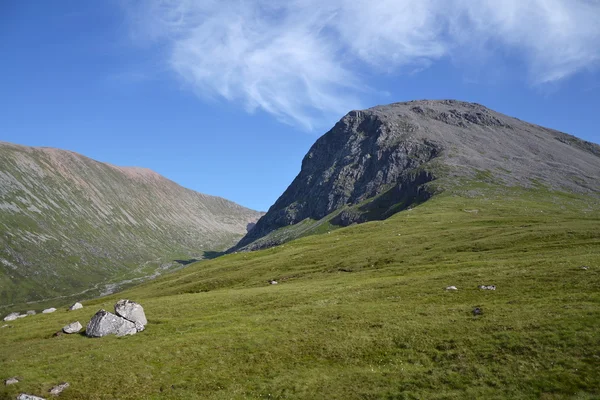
(358, 313)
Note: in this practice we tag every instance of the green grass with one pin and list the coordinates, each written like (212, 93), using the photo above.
(359, 313)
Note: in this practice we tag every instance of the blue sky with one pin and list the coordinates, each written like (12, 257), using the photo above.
(225, 97)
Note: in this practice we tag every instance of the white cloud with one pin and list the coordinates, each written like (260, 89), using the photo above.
(300, 59)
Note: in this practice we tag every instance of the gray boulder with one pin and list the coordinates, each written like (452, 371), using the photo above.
(73, 327)
(23, 315)
(105, 323)
(11, 381)
(24, 396)
(11, 316)
(76, 306)
(49, 310)
(31, 312)
(451, 288)
(58, 389)
(131, 311)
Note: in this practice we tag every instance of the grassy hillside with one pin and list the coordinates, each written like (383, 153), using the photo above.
(71, 225)
(359, 313)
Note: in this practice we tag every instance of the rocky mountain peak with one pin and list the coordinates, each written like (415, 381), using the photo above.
(378, 161)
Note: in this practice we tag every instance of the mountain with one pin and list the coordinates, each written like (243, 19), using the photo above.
(70, 224)
(376, 162)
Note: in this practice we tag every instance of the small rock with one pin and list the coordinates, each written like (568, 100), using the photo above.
(4, 326)
(22, 316)
(11, 381)
(56, 390)
(24, 396)
(11, 316)
(477, 311)
(488, 287)
(451, 288)
(76, 306)
(73, 327)
(49, 310)
(31, 312)
(105, 323)
(273, 282)
(584, 267)
(131, 311)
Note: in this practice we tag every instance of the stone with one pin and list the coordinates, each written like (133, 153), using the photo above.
(58, 389)
(11, 316)
(131, 311)
(76, 306)
(105, 323)
(49, 310)
(22, 316)
(273, 282)
(584, 267)
(488, 287)
(73, 327)
(24, 396)
(477, 311)
(31, 312)
(451, 288)
(4, 326)
(11, 381)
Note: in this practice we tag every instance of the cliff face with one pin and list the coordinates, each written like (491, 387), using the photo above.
(69, 223)
(381, 160)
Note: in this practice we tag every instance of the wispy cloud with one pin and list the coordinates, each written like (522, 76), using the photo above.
(301, 60)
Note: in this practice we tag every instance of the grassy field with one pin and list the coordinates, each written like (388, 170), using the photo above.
(359, 313)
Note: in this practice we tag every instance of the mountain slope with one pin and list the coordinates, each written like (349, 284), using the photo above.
(379, 161)
(361, 313)
(69, 223)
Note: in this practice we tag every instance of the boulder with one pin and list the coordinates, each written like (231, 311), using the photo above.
(31, 312)
(49, 310)
(24, 396)
(451, 288)
(76, 306)
(58, 389)
(73, 327)
(273, 282)
(23, 315)
(11, 381)
(131, 311)
(487, 287)
(11, 316)
(105, 323)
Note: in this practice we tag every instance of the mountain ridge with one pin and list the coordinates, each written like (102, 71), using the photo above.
(396, 155)
(64, 214)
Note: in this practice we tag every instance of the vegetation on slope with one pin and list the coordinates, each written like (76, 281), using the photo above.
(359, 313)
(69, 224)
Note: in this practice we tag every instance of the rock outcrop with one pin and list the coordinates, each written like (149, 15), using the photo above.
(380, 161)
(104, 323)
(132, 311)
(73, 327)
(11, 316)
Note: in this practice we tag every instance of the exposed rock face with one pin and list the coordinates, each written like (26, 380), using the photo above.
(49, 310)
(60, 208)
(105, 323)
(11, 316)
(132, 311)
(73, 327)
(58, 389)
(379, 161)
(76, 306)
(24, 396)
